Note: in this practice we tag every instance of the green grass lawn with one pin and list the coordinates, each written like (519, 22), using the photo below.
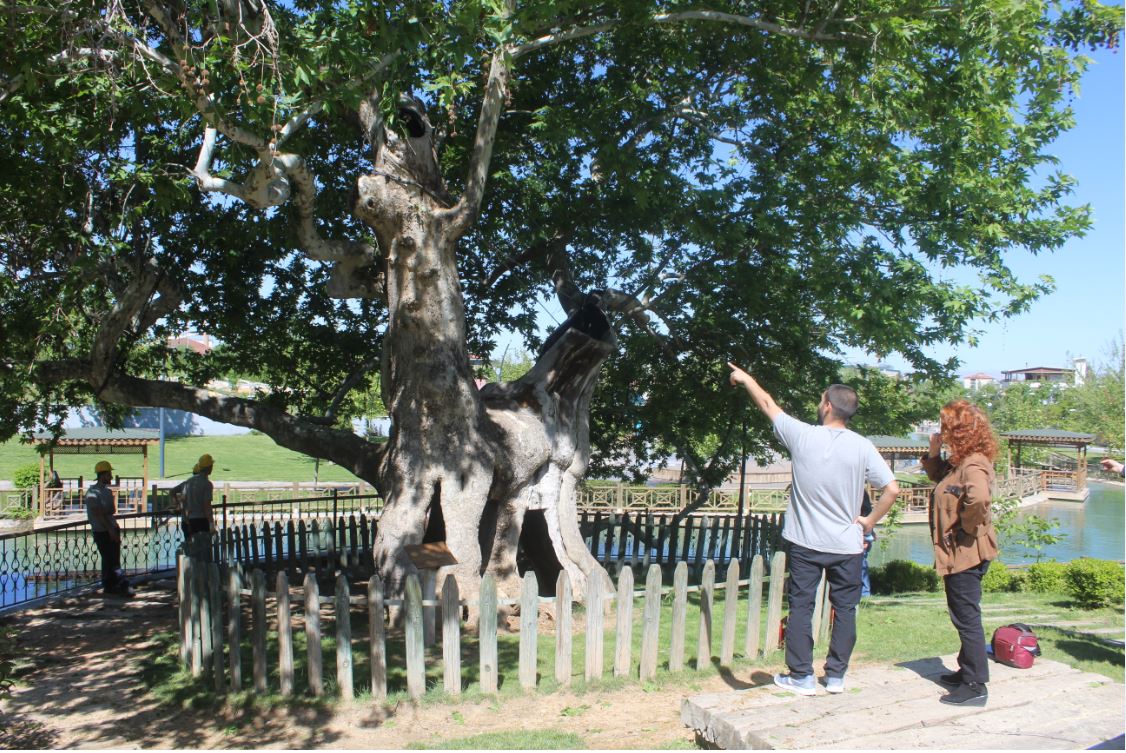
(245, 457)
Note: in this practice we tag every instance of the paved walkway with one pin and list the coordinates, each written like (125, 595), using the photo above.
(1050, 705)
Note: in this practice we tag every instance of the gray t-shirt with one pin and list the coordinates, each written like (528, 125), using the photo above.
(830, 468)
(197, 492)
(99, 497)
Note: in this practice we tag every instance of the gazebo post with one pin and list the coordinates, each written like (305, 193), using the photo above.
(145, 474)
(42, 489)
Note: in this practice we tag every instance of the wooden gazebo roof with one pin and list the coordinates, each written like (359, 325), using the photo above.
(1048, 437)
(905, 445)
(99, 440)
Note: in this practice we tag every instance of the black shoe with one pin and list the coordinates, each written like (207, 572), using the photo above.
(967, 694)
(951, 678)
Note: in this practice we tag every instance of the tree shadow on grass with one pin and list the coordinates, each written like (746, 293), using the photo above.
(1086, 649)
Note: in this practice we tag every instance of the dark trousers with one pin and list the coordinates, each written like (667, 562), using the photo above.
(963, 599)
(806, 566)
(192, 526)
(111, 558)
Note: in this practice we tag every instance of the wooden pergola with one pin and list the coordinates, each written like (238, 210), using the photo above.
(892, 449)
(99, 441)
(1059, 484)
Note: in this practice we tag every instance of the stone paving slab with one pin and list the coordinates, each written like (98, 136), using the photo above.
(1050, 705)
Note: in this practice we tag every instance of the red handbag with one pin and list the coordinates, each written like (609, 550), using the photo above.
(1015, 645)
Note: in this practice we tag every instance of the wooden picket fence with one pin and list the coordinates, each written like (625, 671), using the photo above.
(212, 609)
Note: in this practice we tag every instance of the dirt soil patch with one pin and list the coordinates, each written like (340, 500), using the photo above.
(84, 689)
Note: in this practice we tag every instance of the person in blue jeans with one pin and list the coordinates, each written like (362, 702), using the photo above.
(869, 539)
(823, 527)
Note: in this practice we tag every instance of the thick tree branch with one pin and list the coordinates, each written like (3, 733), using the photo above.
(341, 447)
(465, 211)
(125, 315)
(356, 273)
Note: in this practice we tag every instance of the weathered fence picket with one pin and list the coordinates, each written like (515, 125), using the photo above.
(343, 637)
(822, 626)
(651, 624)
(707, 604)
(183, 568)
(529, 634)
(415, 637)
(594, 589)
(314, 658)
(623, 627)
(451, 636)
(487, 633)
(730, 613)
(377, 639)
(285, 636)
(258, 626)
(754, 609)
(563, 622)
(774, 602)
(234, 627)
(195, 586)
(215, 602)
(679, 616)
(818, 607)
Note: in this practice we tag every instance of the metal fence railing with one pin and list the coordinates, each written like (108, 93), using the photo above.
(53, 559)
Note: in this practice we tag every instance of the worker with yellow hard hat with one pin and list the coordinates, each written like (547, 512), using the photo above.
(195, 497)
(100, 511)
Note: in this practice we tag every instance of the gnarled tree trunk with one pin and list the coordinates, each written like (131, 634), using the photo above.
(480, 460)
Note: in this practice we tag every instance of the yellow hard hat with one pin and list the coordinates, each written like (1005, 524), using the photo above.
(205, 461)
(102, 466)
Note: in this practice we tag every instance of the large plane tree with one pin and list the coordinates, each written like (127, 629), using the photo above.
(339, 190)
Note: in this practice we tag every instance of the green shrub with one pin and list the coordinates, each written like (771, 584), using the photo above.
(1046, 578)
(997, 578)
(903, 576)
(1095, 583)
(1018, 580)
(26, 476)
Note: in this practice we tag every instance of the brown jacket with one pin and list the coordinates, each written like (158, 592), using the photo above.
(961, 516)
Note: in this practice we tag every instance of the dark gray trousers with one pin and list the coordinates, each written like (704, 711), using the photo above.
(806, 566)
(963, 599)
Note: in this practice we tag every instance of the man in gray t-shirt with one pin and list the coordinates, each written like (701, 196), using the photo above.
(824, 527)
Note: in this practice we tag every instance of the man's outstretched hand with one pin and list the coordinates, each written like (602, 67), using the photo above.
(739, 376)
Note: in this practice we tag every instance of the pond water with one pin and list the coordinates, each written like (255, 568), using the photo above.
(1094, 529)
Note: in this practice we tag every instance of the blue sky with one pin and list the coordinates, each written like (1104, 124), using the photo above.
(1085, 314)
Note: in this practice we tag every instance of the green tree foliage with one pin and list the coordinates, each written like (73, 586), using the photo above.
(1098, 405)
(769, 182)
(890, 406)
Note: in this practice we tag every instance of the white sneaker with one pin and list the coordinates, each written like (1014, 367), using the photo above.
(834, 684)
(798, 685)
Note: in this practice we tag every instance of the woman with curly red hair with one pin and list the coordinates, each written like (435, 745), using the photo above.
(964, 539)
